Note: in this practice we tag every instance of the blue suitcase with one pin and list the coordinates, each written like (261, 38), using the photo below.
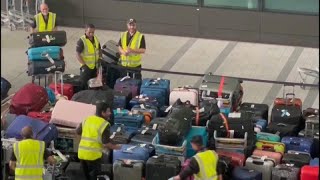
(5, 87)
(242, 173)
(194, 131)
(137, 100)
(314, 162)
(157, 88)
(260, 125)
(121, 99)
(38, 54)
(132, 120)
(301, 144)
(133, 152)
(41, 130)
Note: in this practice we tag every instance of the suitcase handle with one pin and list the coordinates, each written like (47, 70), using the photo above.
(55, 82)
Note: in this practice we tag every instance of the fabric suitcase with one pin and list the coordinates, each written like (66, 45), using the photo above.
(185, 94)
(121, 134)
(74, 80)
(287, 115)
(271, 146)
(273, 155)
(41, 130)
(162, 167)
(314, 162)
(121, 99)
(92, 96)
(130, 120)
(207, 108)
(196, 131)
(45, 67)
(157, 88)
(122, 170)
(70, 113)
(127, 83)
(263, 165)
(298, 144)
(30, 97)
(237, 159)
(283, 129)
(5, 87)
(267, 137)
(309, 173)
(48, 38)
(260, 110)
(298, 159)
(144, 135)
(133, 152)
(283, 171)
(43, 116)
(260, 125)
(141, 99)
(141, 109)
(243, 173)
(39, 53)
(110, 52)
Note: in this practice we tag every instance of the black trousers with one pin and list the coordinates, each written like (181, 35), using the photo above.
(91, 168)
(136, 74)
(85, 75)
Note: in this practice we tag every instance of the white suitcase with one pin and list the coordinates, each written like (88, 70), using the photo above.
(184, 94)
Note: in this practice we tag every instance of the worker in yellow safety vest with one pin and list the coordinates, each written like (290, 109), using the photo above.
(203, 165)
(95, 136)
(44, 21)
(28, 156)
(131, 47)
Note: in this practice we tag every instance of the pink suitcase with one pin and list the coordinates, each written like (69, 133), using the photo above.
(185, 94)
(273, 155)
(71, 113)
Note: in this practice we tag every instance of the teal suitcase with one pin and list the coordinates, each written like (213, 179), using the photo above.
(268, 137)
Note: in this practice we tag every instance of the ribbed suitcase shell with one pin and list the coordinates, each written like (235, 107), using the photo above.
(132, 171)
(263, 165)
(282, 171)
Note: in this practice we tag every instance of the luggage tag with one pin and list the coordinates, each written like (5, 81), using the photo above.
(143, 145)
(252, 106)
(144, 131)
(168, 109)
(113, 134)
(284, 113)
(118, 110)
(142, 106)
(154, 127)
(234, 115)
(119, 129)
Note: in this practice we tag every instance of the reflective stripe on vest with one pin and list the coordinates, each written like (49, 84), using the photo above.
(132, 60)
(29, 154)
(207, 162)
(41, 24)
(90, 147)
(90, 54)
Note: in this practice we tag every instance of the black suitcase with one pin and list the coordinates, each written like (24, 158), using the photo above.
(110, 73)
(74, 80)
(92, 96)
(259, 110)
(110, 52)
(162, 167)
(287, 115)
(298, 159)
(49, 38)
(144, 135)
(283, 129)
(207, 108)
(45, 67)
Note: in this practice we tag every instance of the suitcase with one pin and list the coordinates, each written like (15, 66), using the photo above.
(260, 125)
(130, 120)
(67, 141)
(119, 134)
(124, 169)
(5, 87)
(263, 165)
(287, 115)
(40, 53)
(196, 131)
(314, 162)
(283, 171)
(145, 135)
(157, 88)
(142, 109)
(49, 38)
(224, 164)
(41, 130)
(243, 173)
(162, 167)
(273, 155)
(310, 111)
(298, 144)
(43, 116)
(110, 73)
(309, 173)
(285, 100)
(185, 94)
(207, 108)
(127, 83)
(237, 159)
(271, 146)
(238, 145)
(70, 113)
(110, 52)
(260, 110)
(93, 96)
(30, 97)
(123, 112)
(121, 99)
(140, 152)
(6, 119)
(51, 96)
(74, 80)
(61, 88)
(141, 99)
(311, 125)
(45, 67)
(283, 129)
(267, 137)
(298, 159)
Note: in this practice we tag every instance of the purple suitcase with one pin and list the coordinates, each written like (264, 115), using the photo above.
(127, 83)
(301, 144)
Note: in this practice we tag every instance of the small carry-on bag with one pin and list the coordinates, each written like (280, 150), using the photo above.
(263, 165)
(140, 152)
(42, 53)
(45, 67)
(237, 159)
(110, 52)
(48, 38)
(61, 88)
(267, 137)
(270, 146)
(185, 94)
(121, 134)
(273, 155)
(129, 120)
(285, 100)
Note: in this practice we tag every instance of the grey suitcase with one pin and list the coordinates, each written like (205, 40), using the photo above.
(287, 172)
(124, 171)
(311, 125)
(261, 164)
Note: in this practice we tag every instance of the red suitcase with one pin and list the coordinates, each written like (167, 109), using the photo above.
(30, 97)
(62, 88)
(43, 116)
(309, 173)
(288, 101)
(237, 159)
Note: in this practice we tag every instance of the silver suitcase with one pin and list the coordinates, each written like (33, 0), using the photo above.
(261, 164)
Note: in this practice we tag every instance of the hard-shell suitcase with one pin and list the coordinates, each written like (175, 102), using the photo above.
(267, 137)
(43, 116)
(48, 38)
(41, 130)
(260, 110)
(309, 173)
(70, 113)
(283, 129)
(243, 173)
(67, 141)
(30, 97)
(298, 159)
(130, 120)
(124, 169)
(93, 96)
(314, 162)
(157, 88)
(185, 94)
(260, 125)
(133, 152)
(127, 83)
(41, 53)
(239, 145)
(287, 115)
(311, 125)
(237, 159)
(298, 144)
(119, 134)
(144, 135)
(45, 67)
(263, 165)
(121, 99)
(110, 52)
(74, 80)
(5, 87)
(270, 146)
(61, 88)
(141, 99)
(162, 167)
(273, 155)
(196, 131)
(283, 171)
(285, 100)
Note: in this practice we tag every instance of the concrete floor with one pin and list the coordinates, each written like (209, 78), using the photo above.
(240, 59)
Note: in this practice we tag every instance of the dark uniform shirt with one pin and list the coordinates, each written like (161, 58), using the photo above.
(34, 23)
(105, 134)
(129, 37)
(80, 45)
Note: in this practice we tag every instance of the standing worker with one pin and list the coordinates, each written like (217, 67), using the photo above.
(203, 165)
(88, 54)
(131, 47)
(95, 135)
(44, 21)
(28, 156)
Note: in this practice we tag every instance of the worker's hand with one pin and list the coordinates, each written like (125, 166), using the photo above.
(117, 147)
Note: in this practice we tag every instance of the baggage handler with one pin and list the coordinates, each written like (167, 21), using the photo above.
(131, 47)
(44, 21)
(88, 54)
(203, 165)
(95, 135)
(28, 156)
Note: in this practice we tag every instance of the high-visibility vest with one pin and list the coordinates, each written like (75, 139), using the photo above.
(207, 161)
(90, 53)
(41, 24)
(133, 59)
(90, 146)
(29, 164)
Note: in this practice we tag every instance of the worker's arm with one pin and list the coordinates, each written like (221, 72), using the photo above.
(33, 26)
(106, 140)
(192, 168)
(112, 146)
(79, 49)
(13, 160)
(142, 48)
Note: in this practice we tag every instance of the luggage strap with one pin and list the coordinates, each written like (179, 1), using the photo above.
(197, 116)
(225, 122)
(221, 87)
